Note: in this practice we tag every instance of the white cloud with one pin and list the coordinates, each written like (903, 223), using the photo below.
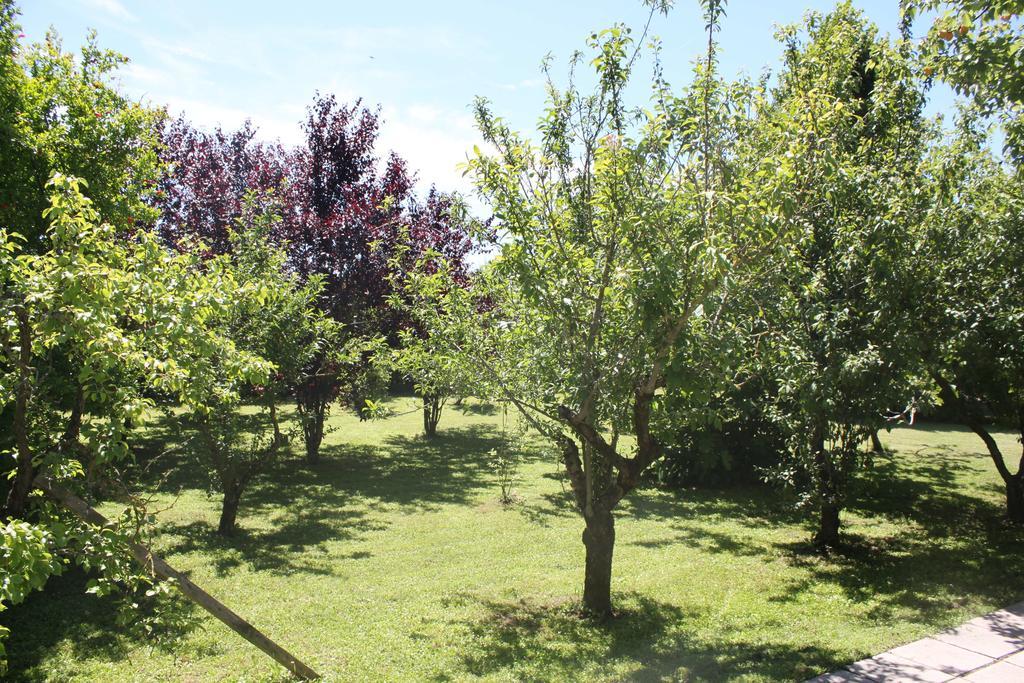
(112, 7)
(433, 142)
(207, 115)
(523, 84)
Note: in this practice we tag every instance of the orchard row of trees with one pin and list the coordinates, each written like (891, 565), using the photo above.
(807, 256)
(151, 266)
(799, 261)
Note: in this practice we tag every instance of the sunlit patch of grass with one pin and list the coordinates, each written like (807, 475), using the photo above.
(392, 560)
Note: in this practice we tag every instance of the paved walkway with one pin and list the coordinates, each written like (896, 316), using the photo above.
(989, 649)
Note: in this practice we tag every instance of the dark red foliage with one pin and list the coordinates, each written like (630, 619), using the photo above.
(208, 174)
(343, 207)
(341, 201)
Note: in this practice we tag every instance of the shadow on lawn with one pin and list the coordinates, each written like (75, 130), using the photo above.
(534, 641)
(87, 625)
(475, 408)
(947, 547)
(951, 547)
(690, 517)
(335, 499)
(400, 470)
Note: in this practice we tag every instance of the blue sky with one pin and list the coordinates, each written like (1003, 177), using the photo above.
(222, 61)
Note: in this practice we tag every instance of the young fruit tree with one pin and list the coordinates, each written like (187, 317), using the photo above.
(972, 306)
(621, 232)
(273, 316)
(421, 357)
(436, 376)
(851, 98)
(121, 319)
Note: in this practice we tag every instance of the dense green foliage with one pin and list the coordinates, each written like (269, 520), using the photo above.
(841, 295)
(729, 283)
(972, 308)
(105, 320)
(61, 112)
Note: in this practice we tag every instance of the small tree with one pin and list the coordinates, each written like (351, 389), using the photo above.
(272, 315)
(620, 233)
(235, 448)
(134, 320)
(436, 376)
(851, 98)
(971, 309)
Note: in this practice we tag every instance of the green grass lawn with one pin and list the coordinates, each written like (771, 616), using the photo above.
(393, 560)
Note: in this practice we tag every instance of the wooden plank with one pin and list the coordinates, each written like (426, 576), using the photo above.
(158, 567)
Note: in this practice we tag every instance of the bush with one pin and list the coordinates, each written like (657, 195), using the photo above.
(737, 452)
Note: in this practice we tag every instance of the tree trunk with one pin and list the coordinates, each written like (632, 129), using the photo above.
(828, 526)
(229, 512)
(272, 406)
(431, 414)
(599, 540)
(1014, 482)
(17, 497)
(828, 495)
(876, 443)
(313, 440)
(313, 433)
(1015, 499)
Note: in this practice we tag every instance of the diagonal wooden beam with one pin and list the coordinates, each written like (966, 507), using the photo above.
(153, 563)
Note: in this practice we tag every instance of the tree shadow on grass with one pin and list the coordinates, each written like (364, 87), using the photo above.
(551, 507)
(284, 550)
(66, 616)
(690, 517)
(949, 548)
(534, 641)
(475, 408)
(414, 472)
(340, 498)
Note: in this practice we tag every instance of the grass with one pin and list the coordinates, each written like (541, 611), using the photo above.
(392, 560)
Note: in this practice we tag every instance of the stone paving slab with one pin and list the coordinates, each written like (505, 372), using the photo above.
(840, 677)
(988, 649)
(891, 667)
(950, 659)
(1000, 672)
(983, 639)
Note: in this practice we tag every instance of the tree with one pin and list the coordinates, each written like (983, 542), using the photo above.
(971, 309)
(341, 217)
(61, 112)
(272, 316)
(621, 233)
(969, 246)
(851, 96)
(342, 206)
(121, 318)
(436, 375)
(235, 448)
(975, 46)
(206, 179)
